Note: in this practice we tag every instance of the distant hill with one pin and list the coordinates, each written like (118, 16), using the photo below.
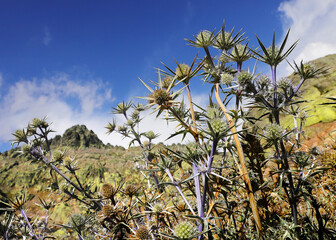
(78, 136)
(317, 90)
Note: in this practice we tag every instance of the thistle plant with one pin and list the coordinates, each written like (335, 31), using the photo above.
(242, 175)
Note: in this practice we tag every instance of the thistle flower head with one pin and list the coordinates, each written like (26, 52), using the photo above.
(135, 115)
(26, 149)
(274, 132)
(151, 135)
(244, 78)
(226, 78)
(157, 208)
(58, 156)
(204, 38)
(264, 80)
(272, 52)
(130, 122)
(160, 97)
(240, 53)
(182, 72)
(224, 58)
(185, 230)
(20, 136)
(142, 233)
(110, 127)
(166, 82)
(108, 211)
(39, 123)
(218, 125)
(122, 108)
(213, 111)
(108, 191)
(122, 128)
(224, 41)
(131, 190)
(139, 107)
(77, 222)
(273, 55)
(284, 83)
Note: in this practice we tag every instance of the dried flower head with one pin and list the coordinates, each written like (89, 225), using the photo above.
(131, 190)
(108, 191)
(142, 233)
(108, 211)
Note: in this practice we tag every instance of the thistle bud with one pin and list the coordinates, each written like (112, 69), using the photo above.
(58, 156)
(157, 208)
(130, 122)
(150, 135)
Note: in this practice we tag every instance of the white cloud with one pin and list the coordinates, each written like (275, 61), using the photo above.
(313, 23)
(65, 102)
(47, 36)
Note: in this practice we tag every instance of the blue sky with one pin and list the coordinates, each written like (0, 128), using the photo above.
(72, 60)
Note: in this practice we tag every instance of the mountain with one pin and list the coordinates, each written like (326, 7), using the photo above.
(78, 136)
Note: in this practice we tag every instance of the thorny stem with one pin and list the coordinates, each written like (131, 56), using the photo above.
(275, 103)
(206, 180)
(179, 190)
(195, 135)
(29, 225)
(192, 110)
(292, 198)
(246, 177)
